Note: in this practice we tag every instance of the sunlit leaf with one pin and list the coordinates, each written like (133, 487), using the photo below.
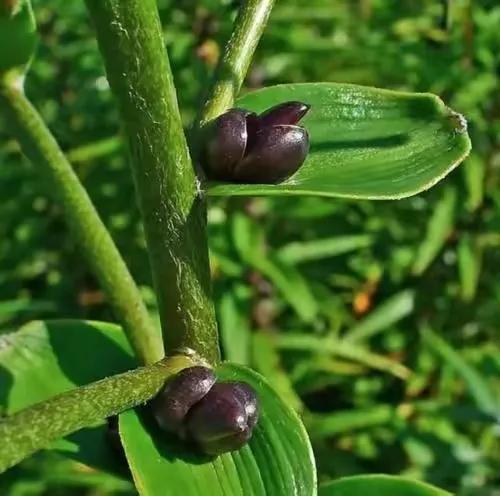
(439, 228)
(379, 485)
(390, 311)
(277, 461)
(249, 242)
(342, 349)
(474, 171)
(476, 384)
(46, 358)
(266, 360)
(365, 142)
(233, 326)
(330, 424)
(470, 256)
(317, 249)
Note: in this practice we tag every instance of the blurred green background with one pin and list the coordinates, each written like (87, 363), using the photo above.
(378, 321)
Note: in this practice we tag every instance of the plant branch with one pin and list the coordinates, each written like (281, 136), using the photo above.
(92, 236)
(233, 66)
(131, 42)
(33, 428)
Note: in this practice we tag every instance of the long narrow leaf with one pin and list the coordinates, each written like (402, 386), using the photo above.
(389, 312)
(317, 249)
(438, 230)
(379, 485)
(476, 385)
(342, 349)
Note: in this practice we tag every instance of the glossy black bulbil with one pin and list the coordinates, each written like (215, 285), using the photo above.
(244, 147)
(217, 417)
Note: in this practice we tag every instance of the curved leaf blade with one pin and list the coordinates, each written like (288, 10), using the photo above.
(477, 385)
(365, 142)
(379, 485)
(277, 461)
(45, 358)
(36, 427)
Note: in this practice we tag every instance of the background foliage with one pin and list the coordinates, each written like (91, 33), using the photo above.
(378, 321)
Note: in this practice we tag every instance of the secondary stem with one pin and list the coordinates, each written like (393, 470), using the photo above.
(92, 236)
(233, 66)
(131, 42)
(35, 427)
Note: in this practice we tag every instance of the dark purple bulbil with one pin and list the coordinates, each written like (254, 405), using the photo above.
(173, 402)
(224, 418)
(218, 417)
(288, 113)
(248, 148)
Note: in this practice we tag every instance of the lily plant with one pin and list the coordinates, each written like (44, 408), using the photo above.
(60, 380)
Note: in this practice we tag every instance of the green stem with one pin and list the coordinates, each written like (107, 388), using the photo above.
(131, 42)
(233, 66)
(35, 427)
(94, 240)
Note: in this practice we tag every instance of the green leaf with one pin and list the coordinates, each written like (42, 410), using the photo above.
(474, 172)
(13, 308)
(343, 349)
(44, 359)
(365, 142)
(267, 361)
(389, 312)
(317, 249)
(320, 425)
(478, 388)
(379, 485)
(233, 325)
(35, 426)
(438, 229)
(277, 461)
(249, 242)
(469, 266)
(291, 284)
(18, 36)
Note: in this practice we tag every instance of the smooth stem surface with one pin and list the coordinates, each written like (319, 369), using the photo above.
(33, 428)
(233, 66)
(94, 241)
(131, 42)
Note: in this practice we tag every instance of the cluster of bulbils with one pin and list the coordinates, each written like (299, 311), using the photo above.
(216, 416)
(243, 147)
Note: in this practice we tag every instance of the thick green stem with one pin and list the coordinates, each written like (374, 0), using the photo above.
(35, 427)
(233, 66)
(94, 240)
(130, 39)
